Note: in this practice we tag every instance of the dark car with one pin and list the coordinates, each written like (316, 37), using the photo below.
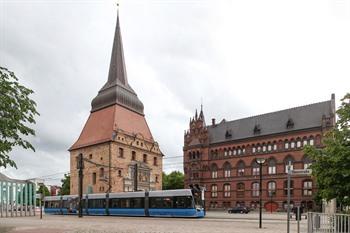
(238, 209)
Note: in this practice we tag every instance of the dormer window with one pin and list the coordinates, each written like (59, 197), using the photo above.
(257, 129)
(290, 123)
(228, 133)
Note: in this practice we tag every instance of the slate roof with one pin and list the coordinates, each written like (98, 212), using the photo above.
(303, 117)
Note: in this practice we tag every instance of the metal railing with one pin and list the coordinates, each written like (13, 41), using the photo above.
(328, 223)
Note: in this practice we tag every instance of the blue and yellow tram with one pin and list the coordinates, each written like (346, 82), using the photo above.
(167, 203)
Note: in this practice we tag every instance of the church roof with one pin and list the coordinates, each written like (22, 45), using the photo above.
(117, 89)
(101, 124)
(298, 118)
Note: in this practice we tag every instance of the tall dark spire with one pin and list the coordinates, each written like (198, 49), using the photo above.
(117, 70)
(117, 89)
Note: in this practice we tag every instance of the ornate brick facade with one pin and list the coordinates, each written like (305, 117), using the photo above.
(221, 157)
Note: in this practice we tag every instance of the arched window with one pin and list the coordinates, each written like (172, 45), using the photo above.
(102, 172)
(214, 171)
(240, 190)
(255, 168)
(307, 188)
(234, 151)
(243, 150)
(269, 147)
(307, 162)
(239, 151)
(286, 144)
(311, 141)
(271, 188)
(274, 145)
(225, 152)
(292, 144)
(288, 161)
(259, 148)
(229, 151)
(298, 142)
(214, 190)
(240, 168)
(264, 148)
(227, 190)
(285, 187)
(227, 169)
(255, 189)
(253, 149)
(304, 141)
(272, 166)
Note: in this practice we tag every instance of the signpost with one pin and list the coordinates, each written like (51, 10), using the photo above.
(294, 172)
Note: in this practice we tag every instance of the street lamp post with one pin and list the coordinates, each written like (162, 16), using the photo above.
(42, 186)
(260, 161)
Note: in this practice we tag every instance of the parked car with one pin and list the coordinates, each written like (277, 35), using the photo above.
(238, 209)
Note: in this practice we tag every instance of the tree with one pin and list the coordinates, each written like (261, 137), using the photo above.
(175, 180)
(17, 111)
(43, 189)
(65, 190)
(331, 165)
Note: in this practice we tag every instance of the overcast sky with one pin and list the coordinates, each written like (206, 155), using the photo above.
(241, 58)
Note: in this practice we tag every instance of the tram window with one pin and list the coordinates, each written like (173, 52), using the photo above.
(183, 202)
(159, 202)
(167, 202)
(156, 202)
(54, 204)
(136, 203)
(124, 203)
(114, 203)
(97, 203)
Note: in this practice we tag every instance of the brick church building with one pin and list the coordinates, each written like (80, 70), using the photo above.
(221, 156)
(116, 142)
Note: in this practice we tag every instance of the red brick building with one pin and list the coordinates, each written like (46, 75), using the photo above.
(221, 156)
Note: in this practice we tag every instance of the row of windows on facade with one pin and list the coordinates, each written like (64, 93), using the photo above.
(255, 190)
(133, 156)
(102, 176)
(271, 167)
(255, 204)
(260, 147)
(137, 142)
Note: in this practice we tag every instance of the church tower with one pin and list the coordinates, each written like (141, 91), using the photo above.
(116, 142)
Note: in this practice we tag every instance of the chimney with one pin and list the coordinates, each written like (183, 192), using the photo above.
(213, 121)
(333, 96)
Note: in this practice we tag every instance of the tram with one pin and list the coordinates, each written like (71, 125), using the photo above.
(167, 203)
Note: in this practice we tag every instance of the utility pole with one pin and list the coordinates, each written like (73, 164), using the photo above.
(80, 167)
(135, 177)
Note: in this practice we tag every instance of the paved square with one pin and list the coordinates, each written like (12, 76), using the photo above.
(214, 222)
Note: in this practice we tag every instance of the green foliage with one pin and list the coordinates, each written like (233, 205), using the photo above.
(43, 189)
(331, 165)
(65, 190)
(17, 111)
(175, 180)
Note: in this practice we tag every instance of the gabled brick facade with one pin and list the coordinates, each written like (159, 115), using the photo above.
(221, 157)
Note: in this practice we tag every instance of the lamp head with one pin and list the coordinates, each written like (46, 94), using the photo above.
(260, 160)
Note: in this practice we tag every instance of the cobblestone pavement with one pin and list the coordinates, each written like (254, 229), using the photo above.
(215, 222)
